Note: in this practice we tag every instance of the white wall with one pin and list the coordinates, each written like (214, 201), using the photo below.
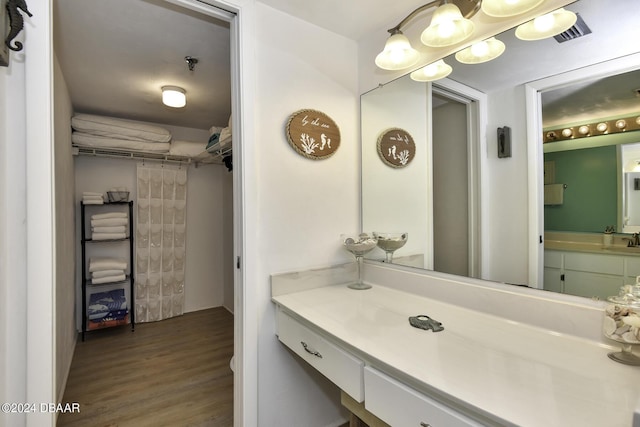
(206, 250)
(395, 199)
(65, 237)
(505, 198)
(303, 205)
(13, 282)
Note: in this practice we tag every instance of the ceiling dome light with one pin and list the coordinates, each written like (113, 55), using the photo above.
(547, 25)
(506, 8)
(447, 27)
(481, 52)
(174, 96)
(434, 71)
(397, 53)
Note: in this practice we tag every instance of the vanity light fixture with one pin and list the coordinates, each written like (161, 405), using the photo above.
(450, 24)
(434, 71)
(547, 25)
(397, 53)
(507, 8)
(600, 127)
(480, 52)
(447, 27)
(174, 96)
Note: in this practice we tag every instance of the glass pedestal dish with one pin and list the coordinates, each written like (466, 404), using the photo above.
(390, 242)
(359, 245)
(622, 324)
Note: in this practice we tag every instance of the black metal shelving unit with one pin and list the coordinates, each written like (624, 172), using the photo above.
(86, 281)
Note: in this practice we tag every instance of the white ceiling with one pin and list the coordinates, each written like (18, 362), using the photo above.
(116, 54)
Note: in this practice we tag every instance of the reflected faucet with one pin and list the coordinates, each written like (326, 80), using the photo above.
(634, 241)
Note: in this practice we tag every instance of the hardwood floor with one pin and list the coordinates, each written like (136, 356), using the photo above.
(169, 373)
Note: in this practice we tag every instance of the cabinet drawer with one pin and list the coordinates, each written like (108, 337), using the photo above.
(401, 406)
(340, 367)
(605, 264)
(552, 259)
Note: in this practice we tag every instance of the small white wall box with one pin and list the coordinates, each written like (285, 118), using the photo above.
(504, 142)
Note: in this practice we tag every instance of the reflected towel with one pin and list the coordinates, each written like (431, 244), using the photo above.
(93, 202)
(554, 194)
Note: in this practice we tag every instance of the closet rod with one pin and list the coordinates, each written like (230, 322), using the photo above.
(137, 155)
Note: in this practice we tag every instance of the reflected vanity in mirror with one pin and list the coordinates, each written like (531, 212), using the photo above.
(407, 198)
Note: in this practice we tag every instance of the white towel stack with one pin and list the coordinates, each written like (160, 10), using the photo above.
(109, 226)
(91, 198)
(107, 270)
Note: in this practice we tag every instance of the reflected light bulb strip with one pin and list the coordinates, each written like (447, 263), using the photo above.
(595, 128)
(546, 26)
(434, 71)
(480, 52)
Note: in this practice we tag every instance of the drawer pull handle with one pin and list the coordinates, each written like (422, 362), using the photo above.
(312, 352)
(424, 425)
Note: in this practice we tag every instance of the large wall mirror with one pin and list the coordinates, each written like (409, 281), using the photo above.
(450, 179)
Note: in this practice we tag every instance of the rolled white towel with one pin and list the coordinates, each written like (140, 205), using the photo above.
(108, 222)
(113, 229)
(109, 279)
(93, 202)
(106, 273)
(98, 264)
(110, 215)
(108, 236)
(91, 193)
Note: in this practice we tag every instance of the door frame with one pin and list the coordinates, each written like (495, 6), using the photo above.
(535, 155)
(476, 106)
(40, 340)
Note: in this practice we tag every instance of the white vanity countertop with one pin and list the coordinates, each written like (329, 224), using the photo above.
(514, 373)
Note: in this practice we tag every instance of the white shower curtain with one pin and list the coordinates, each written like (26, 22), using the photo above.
(160, 242)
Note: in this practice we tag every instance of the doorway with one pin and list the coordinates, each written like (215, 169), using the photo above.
(455, 195)
(235, 231)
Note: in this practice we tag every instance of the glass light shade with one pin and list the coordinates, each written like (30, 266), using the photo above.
(506, 8)
(397, 53)
(447, 27)
(434, 71)
(173, 96)
(602, 127)
(548, 25)
(481, 52)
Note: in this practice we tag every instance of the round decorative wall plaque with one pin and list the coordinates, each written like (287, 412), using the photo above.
(313, 134)
(396, 147)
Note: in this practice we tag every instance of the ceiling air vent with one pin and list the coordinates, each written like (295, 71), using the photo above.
(579, 29)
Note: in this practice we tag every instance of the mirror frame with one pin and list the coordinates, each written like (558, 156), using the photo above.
(535, 157)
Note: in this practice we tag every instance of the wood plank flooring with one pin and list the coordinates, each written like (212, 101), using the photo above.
(169, 373)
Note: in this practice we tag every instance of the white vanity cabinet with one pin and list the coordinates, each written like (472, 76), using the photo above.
(591, 275)
(342, 368)
(399, 405)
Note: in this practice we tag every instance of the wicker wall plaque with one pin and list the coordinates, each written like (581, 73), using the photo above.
(313, 134)
(396, 147)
